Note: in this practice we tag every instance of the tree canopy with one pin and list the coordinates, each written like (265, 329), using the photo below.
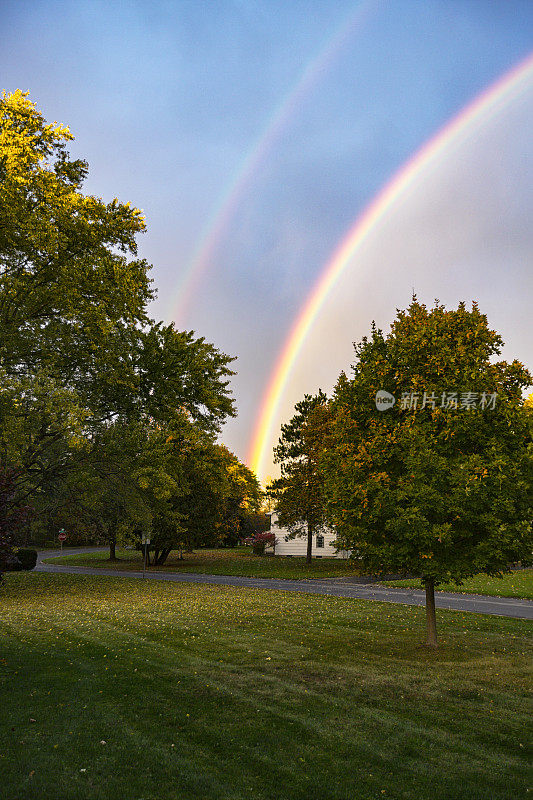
(96, 399)
(438, 484)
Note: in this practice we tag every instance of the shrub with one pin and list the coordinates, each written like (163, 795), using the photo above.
(27, 558)
(259, 542)
(11, 563)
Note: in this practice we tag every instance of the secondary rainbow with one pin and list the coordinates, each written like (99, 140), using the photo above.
(484, 107)
(231, 197)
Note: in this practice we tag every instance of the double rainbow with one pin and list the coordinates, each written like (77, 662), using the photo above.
(493, 101)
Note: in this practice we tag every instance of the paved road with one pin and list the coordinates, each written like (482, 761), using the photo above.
(334, 587)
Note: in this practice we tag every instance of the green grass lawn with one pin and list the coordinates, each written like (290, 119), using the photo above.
(516, 584)
(165, 691)
(225, 561)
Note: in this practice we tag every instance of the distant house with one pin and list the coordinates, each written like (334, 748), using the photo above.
(323, 546)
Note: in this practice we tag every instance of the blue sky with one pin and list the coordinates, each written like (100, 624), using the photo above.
(166, 99)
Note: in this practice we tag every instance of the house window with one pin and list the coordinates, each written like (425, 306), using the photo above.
(320, 540)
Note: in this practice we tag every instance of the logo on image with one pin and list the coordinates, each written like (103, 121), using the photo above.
(384, 400)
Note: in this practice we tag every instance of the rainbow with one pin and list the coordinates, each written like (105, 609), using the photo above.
(489, 103)
(231, 197)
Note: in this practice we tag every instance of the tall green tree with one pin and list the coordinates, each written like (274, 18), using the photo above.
(73, 298)
(298, 494)
(436, 485)
(79, 356)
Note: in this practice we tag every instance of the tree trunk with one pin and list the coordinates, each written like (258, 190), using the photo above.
(162, 555)
(431, 620)
(112, 551)
(309, 556)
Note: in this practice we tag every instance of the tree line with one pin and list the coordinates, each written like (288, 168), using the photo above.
(108, 419)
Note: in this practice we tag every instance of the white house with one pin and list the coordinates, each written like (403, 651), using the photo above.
(322, 543)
